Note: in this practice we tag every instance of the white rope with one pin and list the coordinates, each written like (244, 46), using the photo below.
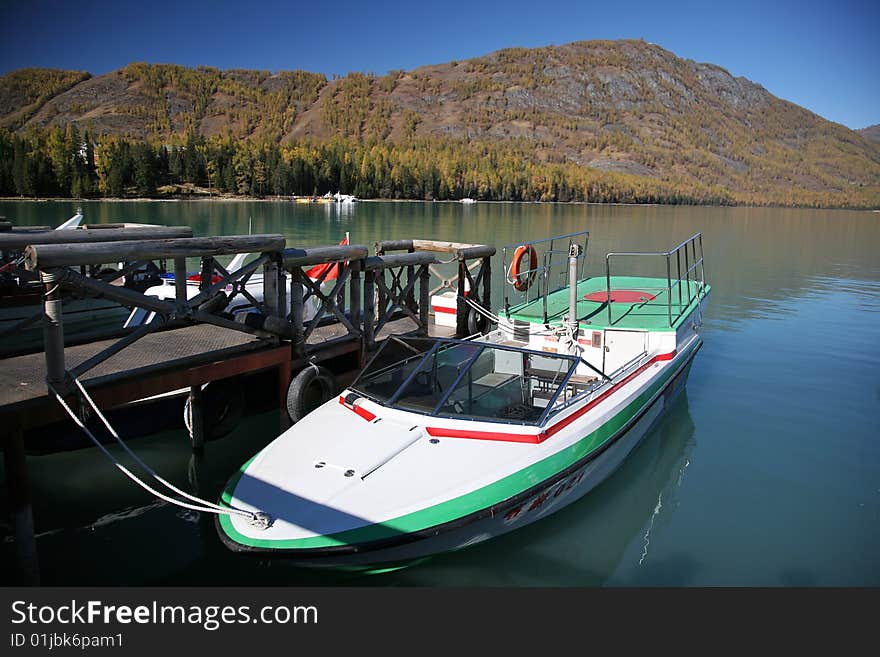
(500, 321)
(138, 460)
(209, 507)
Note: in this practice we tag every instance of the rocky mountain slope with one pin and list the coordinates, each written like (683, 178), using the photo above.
(871, 133)
(616, 106)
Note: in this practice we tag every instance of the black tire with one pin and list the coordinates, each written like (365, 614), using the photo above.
(223, 405)
(476, 322)
(309, 389)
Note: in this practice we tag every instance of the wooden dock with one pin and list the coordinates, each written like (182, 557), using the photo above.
(362, 299)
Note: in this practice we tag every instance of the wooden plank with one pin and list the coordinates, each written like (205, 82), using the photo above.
(317, 255)
(140, 387)
(384, 246)
(65, 255)
(15, 240)
(476, 251)
(399, 260)
(31, 229)
(22, 378)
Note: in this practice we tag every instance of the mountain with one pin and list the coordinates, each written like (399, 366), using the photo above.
(871, 133)
(625, 108)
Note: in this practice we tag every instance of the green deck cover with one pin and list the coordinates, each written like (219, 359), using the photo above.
(650, 315)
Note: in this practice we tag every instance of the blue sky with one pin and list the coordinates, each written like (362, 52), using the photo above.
(822, 55)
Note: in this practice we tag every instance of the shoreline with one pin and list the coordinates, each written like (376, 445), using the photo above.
(293, 199)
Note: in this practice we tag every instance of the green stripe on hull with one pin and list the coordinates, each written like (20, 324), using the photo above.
(466, 504)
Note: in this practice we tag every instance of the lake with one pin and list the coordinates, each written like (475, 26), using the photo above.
(766, 472)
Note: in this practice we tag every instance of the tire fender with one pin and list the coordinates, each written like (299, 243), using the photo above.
(310, 388)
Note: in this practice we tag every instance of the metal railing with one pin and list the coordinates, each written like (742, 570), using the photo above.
(554, 255)
(693, 264)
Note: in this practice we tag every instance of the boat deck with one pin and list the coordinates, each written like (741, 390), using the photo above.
(637, 303)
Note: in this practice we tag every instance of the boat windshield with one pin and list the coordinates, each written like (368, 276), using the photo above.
(467, 379)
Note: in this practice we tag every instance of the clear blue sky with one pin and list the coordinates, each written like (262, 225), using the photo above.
(822, 55)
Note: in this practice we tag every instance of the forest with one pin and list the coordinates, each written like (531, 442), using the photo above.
(64, 163)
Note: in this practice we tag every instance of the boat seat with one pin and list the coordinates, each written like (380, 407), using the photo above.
(494, 379)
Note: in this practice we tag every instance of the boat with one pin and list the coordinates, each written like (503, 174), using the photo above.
(241, 297)
(442, 443)
(467, 201)
(345, 198)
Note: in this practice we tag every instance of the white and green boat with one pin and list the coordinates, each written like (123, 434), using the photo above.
(442, 443)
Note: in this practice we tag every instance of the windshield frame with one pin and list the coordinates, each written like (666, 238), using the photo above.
(438, 343)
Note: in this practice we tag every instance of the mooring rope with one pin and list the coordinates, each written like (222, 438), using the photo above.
(256, 518)
(500, 321)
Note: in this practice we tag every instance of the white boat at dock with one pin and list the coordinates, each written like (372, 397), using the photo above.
(242, 297)
(442, 443)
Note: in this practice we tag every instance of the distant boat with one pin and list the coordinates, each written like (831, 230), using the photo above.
(344, 198)
(468, 200)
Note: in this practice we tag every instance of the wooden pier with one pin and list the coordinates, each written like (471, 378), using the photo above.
(360, 300)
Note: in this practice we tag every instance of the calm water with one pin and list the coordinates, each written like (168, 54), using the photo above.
(766, 472)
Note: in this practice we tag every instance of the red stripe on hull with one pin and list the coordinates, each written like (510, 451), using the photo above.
(484, 435)
(363, 412)
(550, 431)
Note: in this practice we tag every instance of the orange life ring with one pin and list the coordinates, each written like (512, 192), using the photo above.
(522, 280)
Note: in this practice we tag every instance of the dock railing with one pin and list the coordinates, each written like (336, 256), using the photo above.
(55, 263)
(473, 277)
(693, 279)
(379, 289)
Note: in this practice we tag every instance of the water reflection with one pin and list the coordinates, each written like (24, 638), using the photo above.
(766, 474)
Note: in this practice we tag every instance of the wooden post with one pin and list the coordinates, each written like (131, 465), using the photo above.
(486, 297)
(461, 308)
(383, 298)
(196, 419)
(281, 308)
(207, 272)
(21, 512)
(355, 294)
(369, 307)
(53, 331)
(271, 289)
(296, 312)
(424, 301)
(180, 283)
(411, 297)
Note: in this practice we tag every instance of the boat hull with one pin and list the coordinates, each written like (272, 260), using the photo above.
(529, 506)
